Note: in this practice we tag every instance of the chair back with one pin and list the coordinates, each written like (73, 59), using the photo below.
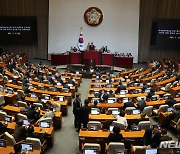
(147, 111)
(35, 142)
(22, 104)
(144, 124)
(21, 117)
(57, 106)
(110, 110)
(94, 125)
(118, 124)
(2, 115)
(129, 110)
(114, 146)
(20, 93)
(10, 141)
(163, 108)
(2, 101)
(94, 146)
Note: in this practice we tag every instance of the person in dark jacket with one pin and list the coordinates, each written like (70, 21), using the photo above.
(76, 108)
(32, 114)
(128, 104)
(170, 101)
(151, 93)
(141, 104)
(165, 136)
(19, 131)
(175, 114)
(111, 94)
(103, 96)
(115, 136)
(152, 137)
(120, 87)
(84, 114)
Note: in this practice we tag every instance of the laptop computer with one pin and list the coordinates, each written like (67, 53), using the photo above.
(110, 101)
(33, 95)
(151, 151)
(69, 85)
(93, 128)
(136, 112)
(8, 118)
(47, 97)
(90, 151)
(58, 84)
(115, 112)
(120, 151)
(27, 147)
(147, 90)
(44, 124)
(9, 91)
(25, 122)
(170, 109)
(135, 128)
(94, 112)
(111, 128)
(122, 92)
(61, 98)
(2, 143)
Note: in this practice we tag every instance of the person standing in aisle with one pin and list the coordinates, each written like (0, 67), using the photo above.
(76, 108)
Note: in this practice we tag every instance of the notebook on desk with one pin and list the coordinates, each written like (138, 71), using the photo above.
(33, 95)
(27, 147)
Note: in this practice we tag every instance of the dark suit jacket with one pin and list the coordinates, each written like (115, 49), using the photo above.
(170, 102)
(141, 105)
(148, 140)
(115, 137)
(103, 97)
(128, 104)
(84, 113)
(120, 87)
(31, 114)
(166, 138)
(76, 106)
(110, 95)
(175, 116)
(19, 133)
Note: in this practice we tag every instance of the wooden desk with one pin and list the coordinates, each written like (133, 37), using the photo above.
(164, 82)
(101, 117)
(67, 95)
(15, 87)
(101, 136)
(109, 105)
(127, 72)
(174, 90)
(142, 73)
(64, 104)
(9, 98)
(131, 95)
(9, 149)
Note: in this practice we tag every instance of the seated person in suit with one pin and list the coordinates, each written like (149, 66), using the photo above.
(128, 104)
(141, 104)
(39, 99)
(71, 81)
(103, 96)
(48, 105)
(17, 149)
(30, 133)
(120, 87)
(115, 136)
(164, 135)
(91, 47)
(152, 137)
(170, 101)
(95, 104)
(19, 131)
(121, 119)
(33, 113)
(3, 127)
(111, 94)
(151, 93)
(175, 114)
(145, 86)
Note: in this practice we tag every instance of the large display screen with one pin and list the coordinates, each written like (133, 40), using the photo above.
(18, 30)
(165, 34)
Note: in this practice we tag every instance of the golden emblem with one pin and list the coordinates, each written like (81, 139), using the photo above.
(93, 16)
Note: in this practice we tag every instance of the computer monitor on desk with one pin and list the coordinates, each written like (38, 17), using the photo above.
(33, 95)
(90, 151)
(44, 124)
(151, 151)
(2, 143)
(8, 118)
(27, 147)
(136, 112)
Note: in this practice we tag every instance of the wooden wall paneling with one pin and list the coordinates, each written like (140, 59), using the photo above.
(150, 9)
(39, 8)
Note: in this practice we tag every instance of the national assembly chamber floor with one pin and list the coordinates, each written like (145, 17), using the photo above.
(67, 139)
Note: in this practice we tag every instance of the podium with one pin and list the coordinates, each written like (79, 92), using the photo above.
(107, 59)
(75, 58)
(126, 62)
(95, 55)
(59, 59)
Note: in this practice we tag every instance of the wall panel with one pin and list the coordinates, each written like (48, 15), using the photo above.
(150, 9)
(39, 8)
